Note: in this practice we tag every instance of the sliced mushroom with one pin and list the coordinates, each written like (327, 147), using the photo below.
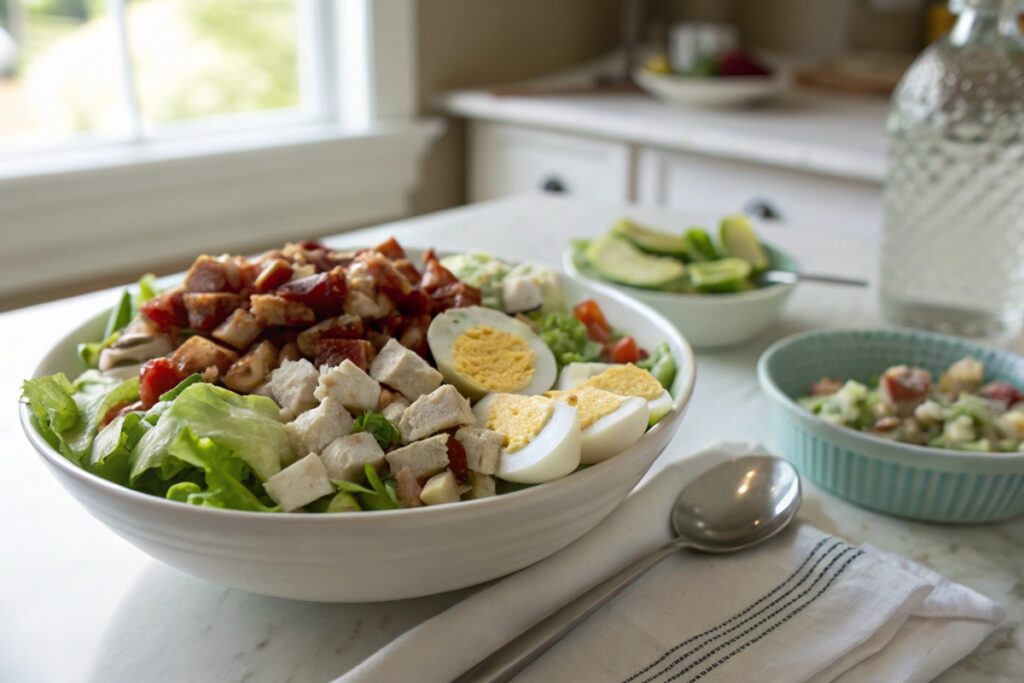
(124, 357)
(252, 369)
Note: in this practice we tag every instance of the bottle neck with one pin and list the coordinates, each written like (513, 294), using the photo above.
(982, 20)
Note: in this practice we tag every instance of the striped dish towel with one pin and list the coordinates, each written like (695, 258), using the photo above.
(805, 606)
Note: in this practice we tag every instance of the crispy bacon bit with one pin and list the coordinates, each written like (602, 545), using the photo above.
(272, 310)
(274, 273)
(324, 293)
(1001, 392)
(436, 276)
(826, 386)
(336, 351)
(886, 424)
(207, 310)
(343, 327)
(455, 295)
(457, 462)
(207, 274)
(429, 255)
(406, 268)
(156, 378)
(198, 353)
(130, 408)
(239, 330)
(414, 334)
(167, 310)
(407, 488)
(416, 302)
(391, 248)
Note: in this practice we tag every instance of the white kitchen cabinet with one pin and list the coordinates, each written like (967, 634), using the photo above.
(509, 159)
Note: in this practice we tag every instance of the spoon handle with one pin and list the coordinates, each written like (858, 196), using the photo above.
(512, 658)
(833, 280)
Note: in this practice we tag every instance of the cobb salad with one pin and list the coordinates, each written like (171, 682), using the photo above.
(315, 380)
(961, 412)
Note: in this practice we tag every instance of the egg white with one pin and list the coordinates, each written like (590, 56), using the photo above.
(613, 433)
(574, 374)
(448, 326)
(552, 454)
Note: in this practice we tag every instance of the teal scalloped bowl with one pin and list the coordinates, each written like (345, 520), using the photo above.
(923, 483)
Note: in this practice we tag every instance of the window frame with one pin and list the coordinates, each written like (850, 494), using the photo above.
(92, 209)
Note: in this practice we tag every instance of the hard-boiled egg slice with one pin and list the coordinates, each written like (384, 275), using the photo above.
(481, 351)
(610, 423)
(624, 380)
(542, 436)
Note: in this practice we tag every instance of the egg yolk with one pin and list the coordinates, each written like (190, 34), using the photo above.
(492, 359)
(626, 380)
(519, 418)
(590, 404)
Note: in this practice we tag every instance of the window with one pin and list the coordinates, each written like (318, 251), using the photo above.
(141, 131)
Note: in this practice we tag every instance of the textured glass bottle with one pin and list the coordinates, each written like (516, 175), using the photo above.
(953, 247)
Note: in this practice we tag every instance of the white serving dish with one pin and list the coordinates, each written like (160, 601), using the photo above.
(692, 91)
(709, 320)
(385, 555)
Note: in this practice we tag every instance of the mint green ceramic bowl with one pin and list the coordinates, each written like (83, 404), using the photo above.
(900, 479)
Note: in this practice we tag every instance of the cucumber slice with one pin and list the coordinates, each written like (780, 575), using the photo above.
(651, 241)
(724, 275)
(700, 246)
(740, 241)
(619, 261)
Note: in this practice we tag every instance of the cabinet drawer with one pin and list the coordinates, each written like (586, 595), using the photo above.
(506, 160)
(689, 182)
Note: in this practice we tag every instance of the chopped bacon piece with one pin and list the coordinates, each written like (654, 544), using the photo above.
(457, 462)
(343, 327)
(198, 353)
(130, 408)
(239, 330)
(207, 310)
(455, 295)
(324, 292)
(336, 351)
(274, 273)
(1002, 392)
(414, 334)
(826, 386)
(407, 488)
(271, 310)
(157, 377)
(391, 248)
(416, 302)
(406, 268)
(311, 245)
(207, 274)
(167, 310)
(436, 276)
(904, 387)
(429, 255)
(384, 277)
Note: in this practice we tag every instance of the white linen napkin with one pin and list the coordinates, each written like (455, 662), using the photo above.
(805, 606)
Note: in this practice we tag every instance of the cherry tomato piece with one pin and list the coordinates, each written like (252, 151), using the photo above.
(156, 378)
(625, 351)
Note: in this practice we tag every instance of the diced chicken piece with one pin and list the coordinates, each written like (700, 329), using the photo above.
(481, 486)
(300, 483)
(316, 428)
(440, 488)
(337, 351)
(207, 274)
(443, 408)
(930, 412)
(240, 329)
(252, 369)
(407, 488)
(289, 351)
(303, 270)
(1011, 425)
(342, 327)
(905, 388)
(966, 374)
(273, 310)
(350, 386)
(483, 448)
(363, 305)
(346, 458)
(198, 353)
(424, 458)
(520, 294)
(405, 371)
(393, 408)
(207, 310)
(959, 430)
(293, 385)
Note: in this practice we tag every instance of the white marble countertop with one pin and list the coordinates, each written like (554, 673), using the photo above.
(79, 604)
(806, 130)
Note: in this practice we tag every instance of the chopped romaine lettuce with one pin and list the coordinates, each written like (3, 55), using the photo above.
(382, 429)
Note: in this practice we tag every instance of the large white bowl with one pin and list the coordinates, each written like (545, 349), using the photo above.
(378, 555)
(709, 320)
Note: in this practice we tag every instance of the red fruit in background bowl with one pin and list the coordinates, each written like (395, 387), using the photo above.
(739, 63)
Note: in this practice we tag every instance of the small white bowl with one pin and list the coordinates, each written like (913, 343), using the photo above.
(693, 91)
(385, 555)
(709, 320)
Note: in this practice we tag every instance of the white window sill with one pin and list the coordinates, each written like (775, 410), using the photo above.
(79, 214)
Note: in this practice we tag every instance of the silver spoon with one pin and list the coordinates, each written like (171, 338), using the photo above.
(734, 505)
(788, 277)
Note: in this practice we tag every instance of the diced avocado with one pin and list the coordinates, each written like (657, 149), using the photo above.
(619, 261)
(651, 241)
(699, 245)
(724, 275)
(739, 241)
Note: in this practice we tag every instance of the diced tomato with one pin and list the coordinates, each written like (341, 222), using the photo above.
(275, 273)
(167, 311)
(391, 248)
(905, 384)
(625, 351)
(590, 314)
(336, 351)
(457, 461)
(156, 378)
(642, 353)
(324, 292)
(1002, 392)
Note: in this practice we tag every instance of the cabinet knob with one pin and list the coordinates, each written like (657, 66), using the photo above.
(554, 185)
(763, 209)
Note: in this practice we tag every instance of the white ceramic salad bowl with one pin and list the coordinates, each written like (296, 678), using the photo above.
(386, 555)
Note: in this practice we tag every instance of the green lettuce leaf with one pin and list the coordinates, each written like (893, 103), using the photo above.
(112, 447)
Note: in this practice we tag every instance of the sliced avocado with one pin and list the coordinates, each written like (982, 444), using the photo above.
(740, 241)
(651, 241)
(699, 245)
(619, 261)
(723, 275)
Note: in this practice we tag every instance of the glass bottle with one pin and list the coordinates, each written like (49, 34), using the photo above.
(953, 245)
